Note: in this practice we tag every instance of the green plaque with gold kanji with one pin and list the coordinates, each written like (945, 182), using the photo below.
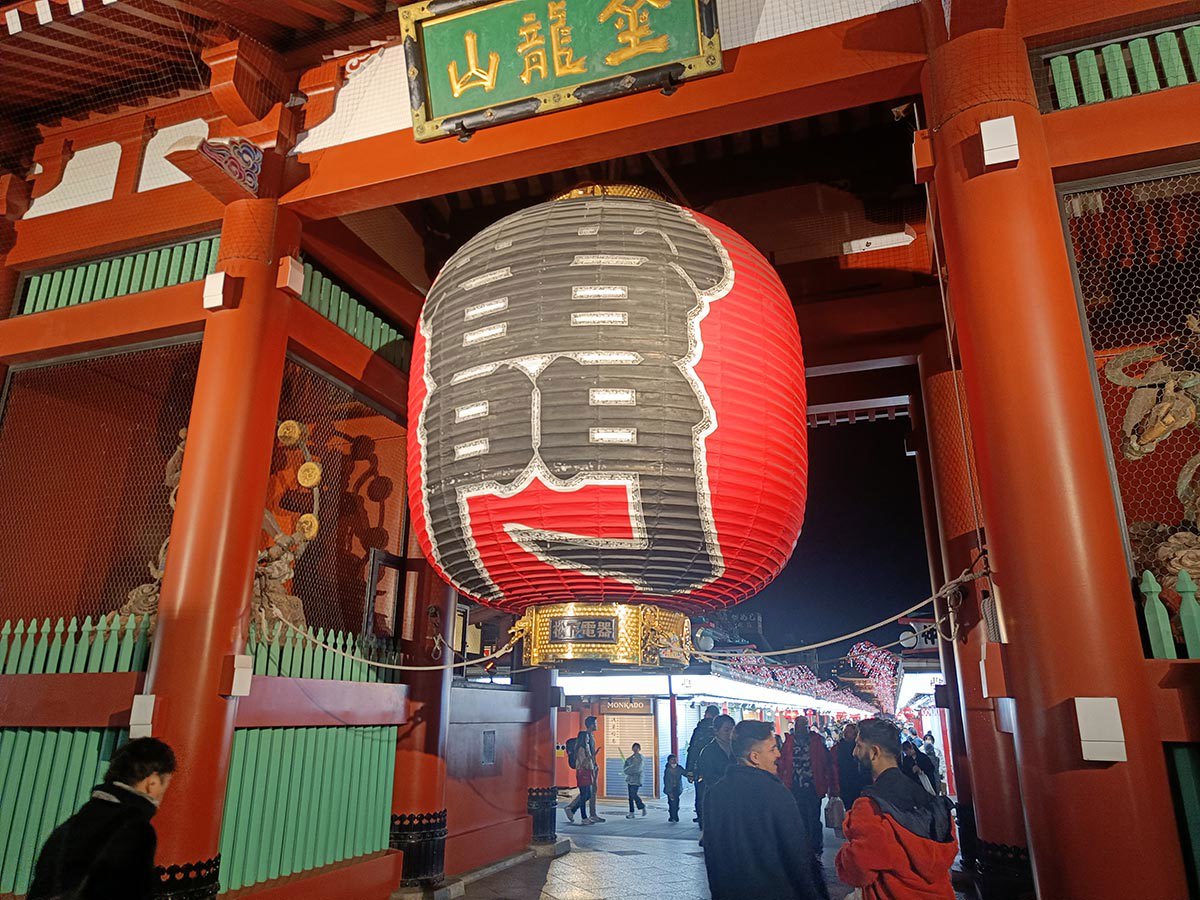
(472, 65)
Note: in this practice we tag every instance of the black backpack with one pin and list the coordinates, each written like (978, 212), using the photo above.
(572, 744)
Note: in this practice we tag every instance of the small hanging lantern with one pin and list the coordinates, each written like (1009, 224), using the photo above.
(607, 414)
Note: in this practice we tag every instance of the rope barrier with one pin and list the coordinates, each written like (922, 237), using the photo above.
(507, 648)
(948, 588)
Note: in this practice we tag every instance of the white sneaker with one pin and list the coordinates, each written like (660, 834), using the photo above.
(585, 821)
(599, 819)
(643, 812)
(630, 816)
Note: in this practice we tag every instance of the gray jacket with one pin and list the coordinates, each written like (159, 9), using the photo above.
(633, 768)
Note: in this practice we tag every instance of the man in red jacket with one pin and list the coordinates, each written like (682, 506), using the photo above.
(899, 838)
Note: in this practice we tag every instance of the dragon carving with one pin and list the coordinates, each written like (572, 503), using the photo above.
(275, 567)
(1165, 397)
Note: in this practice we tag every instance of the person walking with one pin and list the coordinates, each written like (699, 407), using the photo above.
(929, 748)
(584, 760)
(713, 761)
(850, 776)
(806, 769)
(900, 839)
(106, 850)
(672, 787)
(755, 846)
(919, 767)
(590, 724)
(633, 779)
(701, 735)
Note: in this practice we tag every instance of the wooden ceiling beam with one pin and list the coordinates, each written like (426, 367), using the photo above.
(325, 10)
(157, 44)
(370, 7)
(117, 19)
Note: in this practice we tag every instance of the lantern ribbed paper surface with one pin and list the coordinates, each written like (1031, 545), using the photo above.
(607, 404)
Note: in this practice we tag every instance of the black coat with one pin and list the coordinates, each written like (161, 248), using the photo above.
(910, 765)
(109, 842)
(701, 736)
(755, 844)
(713, 762)
(851, 778)
(673, 780)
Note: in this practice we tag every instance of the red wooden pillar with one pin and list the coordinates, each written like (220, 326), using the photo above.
(541, 737)
(1053, 536)
(215, 535)
(419, 824)
(1002, 854)
(956, 751)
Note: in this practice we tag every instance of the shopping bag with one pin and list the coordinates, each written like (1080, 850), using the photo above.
(835, 814)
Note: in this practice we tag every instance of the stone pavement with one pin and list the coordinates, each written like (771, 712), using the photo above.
(622, 859)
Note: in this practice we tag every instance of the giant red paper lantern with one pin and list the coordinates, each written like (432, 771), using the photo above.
(607, 404)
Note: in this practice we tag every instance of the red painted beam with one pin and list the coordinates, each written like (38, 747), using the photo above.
(101, 324)
(305, 702)
(85, 700)
(1120, 135)
(1175, 686)
(344, 254)
(320, 342)
(371, 877)
(126, 223)
(840, 66)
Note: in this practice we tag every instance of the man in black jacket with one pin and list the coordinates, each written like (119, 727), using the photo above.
(755, 846)
(701, 735)
(714, 760)
(106, 850)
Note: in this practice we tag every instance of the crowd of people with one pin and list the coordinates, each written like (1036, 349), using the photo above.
(763, 803)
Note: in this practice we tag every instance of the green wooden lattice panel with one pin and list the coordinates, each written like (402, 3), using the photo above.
(145, 270)
(1165, 60)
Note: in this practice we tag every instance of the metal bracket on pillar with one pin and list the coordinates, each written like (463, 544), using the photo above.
(237, 671)
(141, 716)
(1000, 145)
(922, 157)
(290, 276)
(221, 291)
(991, 671)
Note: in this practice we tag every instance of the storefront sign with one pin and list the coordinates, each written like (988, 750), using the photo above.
(633, 707)
(487, 63)
(573, 629)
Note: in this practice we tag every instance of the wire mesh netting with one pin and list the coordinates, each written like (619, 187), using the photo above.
(337, 489)
(87, 465)
(1137, 254)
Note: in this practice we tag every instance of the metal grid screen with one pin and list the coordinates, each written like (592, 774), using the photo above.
(86, 450)
(1137, 254)
(356, 456)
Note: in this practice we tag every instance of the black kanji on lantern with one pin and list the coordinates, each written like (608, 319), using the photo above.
(561, 344)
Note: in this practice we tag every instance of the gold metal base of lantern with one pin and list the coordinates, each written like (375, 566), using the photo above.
(623, 634)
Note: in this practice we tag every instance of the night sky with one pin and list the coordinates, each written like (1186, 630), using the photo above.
(861, 554)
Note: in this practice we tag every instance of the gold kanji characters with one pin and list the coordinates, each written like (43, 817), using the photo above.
(565, 62)
(474, 76)
(633, 29)
(532, 48)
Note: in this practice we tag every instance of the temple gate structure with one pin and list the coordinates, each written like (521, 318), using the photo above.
(218, 225)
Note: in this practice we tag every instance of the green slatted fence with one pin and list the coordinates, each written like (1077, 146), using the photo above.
(355, 318)
(190, 260)
(47, 773)
(302, 798)
(1123, 68)
(1162, 629)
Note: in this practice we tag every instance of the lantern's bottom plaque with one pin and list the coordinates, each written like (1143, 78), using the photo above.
(617, 633)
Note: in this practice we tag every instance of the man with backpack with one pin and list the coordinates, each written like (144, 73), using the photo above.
(106, 850)
(899, 837)
(581, 756)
